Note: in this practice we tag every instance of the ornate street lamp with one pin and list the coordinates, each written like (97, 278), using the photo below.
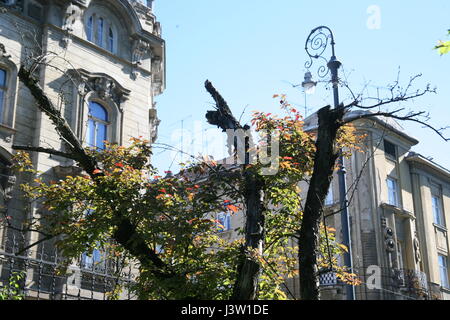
(315, 46)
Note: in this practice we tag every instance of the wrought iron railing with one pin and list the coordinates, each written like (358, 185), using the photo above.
(45, 276)
(391, 284)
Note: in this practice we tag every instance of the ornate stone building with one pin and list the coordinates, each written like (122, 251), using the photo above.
(399, 214)
(104, 64)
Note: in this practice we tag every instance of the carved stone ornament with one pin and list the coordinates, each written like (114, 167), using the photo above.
(157, 75)
(416, 246)
(144, 12)
(3, 53)
(104, 85)
(72, 14)
(154, 123)
(140, 48)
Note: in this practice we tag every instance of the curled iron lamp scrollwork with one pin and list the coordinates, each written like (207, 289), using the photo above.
(316, 44)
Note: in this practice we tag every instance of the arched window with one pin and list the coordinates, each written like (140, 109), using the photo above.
(101, 32)
(111, 40)
(97, 129)
(90, 28)
(100, 25)
(3, 88)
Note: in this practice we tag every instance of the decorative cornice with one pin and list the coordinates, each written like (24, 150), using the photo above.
(104, 85)
(401, 212)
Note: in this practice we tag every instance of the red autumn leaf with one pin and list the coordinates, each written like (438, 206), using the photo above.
(118, 164)
(192, 220)
(233, 208)
(162, 190)
(287, 158)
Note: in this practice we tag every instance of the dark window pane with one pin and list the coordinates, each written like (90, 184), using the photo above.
(111, 40)
(389, 149)
(35, 11)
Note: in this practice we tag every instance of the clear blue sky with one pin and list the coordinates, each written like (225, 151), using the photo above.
(251, 50)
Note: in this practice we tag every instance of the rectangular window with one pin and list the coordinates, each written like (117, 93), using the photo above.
(390, 150)
(93, 261)
(437, 210)
(35, 10)
(392, 192)
(329, 200)
(443, 269)
(223, 222)
(2, 92)
(436, 205)
(96, 259)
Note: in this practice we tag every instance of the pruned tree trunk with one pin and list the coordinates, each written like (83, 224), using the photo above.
(324, 163)
(246, 285)
(248, 270)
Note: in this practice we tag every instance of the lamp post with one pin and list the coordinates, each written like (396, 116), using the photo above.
(315, 46)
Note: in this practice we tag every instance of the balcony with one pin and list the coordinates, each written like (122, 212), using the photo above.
(41, 279)
(410, 281)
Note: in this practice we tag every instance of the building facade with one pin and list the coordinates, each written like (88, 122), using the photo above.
(399, 209)
(102, 63)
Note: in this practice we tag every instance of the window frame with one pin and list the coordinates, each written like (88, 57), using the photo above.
(90, 28)
(96, 121)
(443, 270)
(8, 104)
(387, 154)
(396, 191)
(329, 199)
(101, 32)
(226, 224)
(436, 194)
(111, 40)
(38, 6)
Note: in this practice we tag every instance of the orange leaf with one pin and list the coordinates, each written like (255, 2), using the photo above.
(233, 208)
